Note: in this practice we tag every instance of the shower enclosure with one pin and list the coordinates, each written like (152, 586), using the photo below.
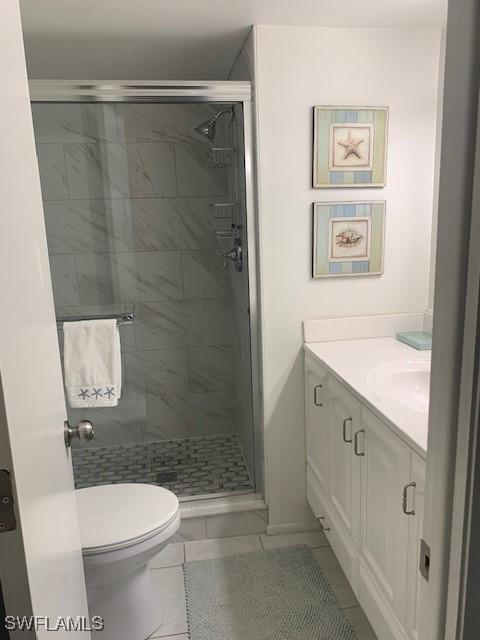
(148, 201)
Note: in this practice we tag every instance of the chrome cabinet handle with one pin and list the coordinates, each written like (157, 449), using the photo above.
(355, 444)
(83, 431)
(319, 520)
(315, 397)
(405, 499)
(345, 439)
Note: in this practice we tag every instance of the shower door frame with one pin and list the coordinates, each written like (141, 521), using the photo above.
(174, 91)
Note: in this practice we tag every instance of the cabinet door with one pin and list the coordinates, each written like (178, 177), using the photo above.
(344, 420)
(316, 412)
(384, 527)
(415, 499)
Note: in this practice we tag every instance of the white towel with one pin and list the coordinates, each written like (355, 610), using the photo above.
(92, 363)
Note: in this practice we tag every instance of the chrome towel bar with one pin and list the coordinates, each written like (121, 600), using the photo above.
(121, 318)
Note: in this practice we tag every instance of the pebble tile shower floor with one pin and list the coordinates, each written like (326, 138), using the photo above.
(188, 467)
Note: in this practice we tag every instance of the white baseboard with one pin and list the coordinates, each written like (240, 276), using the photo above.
(291, 527)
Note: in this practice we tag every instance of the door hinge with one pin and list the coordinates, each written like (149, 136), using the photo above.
(7, 513)
(424, 559)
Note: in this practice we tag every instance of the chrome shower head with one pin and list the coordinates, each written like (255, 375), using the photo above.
(208, 129)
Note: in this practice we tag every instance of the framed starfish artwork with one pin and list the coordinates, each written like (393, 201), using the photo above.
(350, 147)
(348, 238)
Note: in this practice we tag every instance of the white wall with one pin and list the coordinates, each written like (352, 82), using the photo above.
(436, 181)
(296, 68)
(182, 39)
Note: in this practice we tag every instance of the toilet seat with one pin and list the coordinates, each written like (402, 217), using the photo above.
(117, 516)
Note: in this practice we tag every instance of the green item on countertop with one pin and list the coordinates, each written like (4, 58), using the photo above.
(421, 340)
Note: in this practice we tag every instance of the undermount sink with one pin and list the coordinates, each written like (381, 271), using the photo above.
(405, 382)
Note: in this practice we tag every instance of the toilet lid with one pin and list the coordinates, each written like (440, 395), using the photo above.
(113, 514)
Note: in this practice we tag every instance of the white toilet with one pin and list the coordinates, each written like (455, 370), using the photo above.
(123, 526)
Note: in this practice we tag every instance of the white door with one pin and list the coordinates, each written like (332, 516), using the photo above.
(415, 506)
(316, 413)
(384, 527)
(344, 420)
(41, 569)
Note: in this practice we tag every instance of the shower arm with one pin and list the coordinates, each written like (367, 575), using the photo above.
(207, 128)
(222, 112)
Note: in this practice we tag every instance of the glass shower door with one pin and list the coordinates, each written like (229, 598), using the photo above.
(140, 210)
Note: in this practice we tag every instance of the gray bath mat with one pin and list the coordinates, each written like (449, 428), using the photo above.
(280, 594)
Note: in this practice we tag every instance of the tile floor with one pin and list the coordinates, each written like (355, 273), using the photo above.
(167, 574)
(188, 467)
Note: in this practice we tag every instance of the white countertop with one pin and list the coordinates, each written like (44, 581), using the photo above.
(352, 361)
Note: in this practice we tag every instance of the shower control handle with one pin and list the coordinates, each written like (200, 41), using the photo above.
(235, 255)
(83, 431)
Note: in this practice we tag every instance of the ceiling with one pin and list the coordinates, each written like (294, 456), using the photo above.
(183, 39)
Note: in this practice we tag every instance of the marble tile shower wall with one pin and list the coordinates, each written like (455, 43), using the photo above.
(126, 192)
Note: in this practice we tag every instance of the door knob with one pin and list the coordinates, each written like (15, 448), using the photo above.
(83, 431)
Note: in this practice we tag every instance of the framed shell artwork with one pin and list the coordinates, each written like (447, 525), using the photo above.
(348, 238)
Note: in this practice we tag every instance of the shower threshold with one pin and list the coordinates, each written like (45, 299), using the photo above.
(193, 468)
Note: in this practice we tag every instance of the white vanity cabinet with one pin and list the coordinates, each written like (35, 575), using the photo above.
(366, 486)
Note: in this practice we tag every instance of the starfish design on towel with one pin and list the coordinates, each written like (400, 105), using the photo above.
(97, 393)
(109, 392)
(351, 145)
(84, 394)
